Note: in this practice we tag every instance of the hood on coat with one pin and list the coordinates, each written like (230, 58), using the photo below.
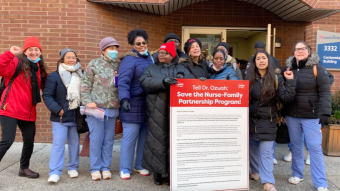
(312, 59)
(182, 60)
(130, 53)
(230, 59)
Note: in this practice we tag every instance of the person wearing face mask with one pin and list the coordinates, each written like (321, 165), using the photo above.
(219, 70)
(132, 98)
(195, 62)
(20, 97)
(308, 113)
(172, 37)
(62, 96)
(156, 81)
(99, 90)
(229, 59)
(265, 88)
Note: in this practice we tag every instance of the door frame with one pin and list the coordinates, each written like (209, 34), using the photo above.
(187, 30)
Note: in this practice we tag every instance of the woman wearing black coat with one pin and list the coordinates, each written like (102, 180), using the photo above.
(309, 111)
(265, 89)
(195, 62)
(156, 81)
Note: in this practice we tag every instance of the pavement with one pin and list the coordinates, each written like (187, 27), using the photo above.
(9, 179)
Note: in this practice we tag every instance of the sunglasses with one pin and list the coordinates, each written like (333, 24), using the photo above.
(140, 43)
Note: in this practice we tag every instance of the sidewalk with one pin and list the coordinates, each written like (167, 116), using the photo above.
(9, 167)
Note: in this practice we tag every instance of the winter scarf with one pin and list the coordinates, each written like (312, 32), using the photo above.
(71, 77)
(35, 84)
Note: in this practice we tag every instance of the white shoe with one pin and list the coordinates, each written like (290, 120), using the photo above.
(106, 175)
(125, 176)
(143, 172)
(73, 173)
(53, 178)
(274, 161)
(322, 189)
(308, 162)
(294, 180)
(288, 157)
(96, 176)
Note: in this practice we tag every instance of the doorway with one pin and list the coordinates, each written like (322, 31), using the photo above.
(241, 40)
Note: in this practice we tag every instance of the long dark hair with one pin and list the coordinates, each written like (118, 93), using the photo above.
(25, 67)
(268, 89)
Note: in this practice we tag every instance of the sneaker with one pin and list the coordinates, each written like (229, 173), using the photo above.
(308, 160)
(269, 187)
(143, 172)
(73, 173)
(255, 176)
(53, 178)
(125, 176)
(96, 176)
(274, 161)
(106, 175)
(288, 157)
(294, 180)
(322, 189)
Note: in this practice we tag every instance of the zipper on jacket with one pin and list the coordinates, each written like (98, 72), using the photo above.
(255, 128)
(271, 117)
(61, 119)
(310, 102)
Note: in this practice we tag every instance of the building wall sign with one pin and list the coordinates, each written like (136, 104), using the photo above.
(328, 48)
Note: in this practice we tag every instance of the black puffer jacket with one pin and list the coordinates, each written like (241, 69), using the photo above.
(156, 148)
(313, 96)
(200, 70)
(262, 115)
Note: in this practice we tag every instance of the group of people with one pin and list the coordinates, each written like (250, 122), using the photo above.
(136, 87)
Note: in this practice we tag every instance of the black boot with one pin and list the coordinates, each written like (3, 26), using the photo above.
(157, 178)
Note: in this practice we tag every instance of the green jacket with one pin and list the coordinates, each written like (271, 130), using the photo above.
(98, 83)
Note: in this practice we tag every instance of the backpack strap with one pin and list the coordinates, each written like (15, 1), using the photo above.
(315, 71)
(16, 74)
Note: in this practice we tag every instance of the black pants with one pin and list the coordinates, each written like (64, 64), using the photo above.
(8, 130)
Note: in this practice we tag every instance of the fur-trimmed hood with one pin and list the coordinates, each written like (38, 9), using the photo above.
(182, 60)
(130, 53)
(230, 59)
(311, 60)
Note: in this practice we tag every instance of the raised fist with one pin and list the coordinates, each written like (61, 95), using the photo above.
(15, 50)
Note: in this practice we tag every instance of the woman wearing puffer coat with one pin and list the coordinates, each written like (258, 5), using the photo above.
(308, 113)
(264, 89)
(156, 82)
(132, 99)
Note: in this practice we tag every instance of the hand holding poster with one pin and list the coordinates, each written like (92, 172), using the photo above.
(209, 135)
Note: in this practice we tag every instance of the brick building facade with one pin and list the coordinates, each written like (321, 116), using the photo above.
(81, 24)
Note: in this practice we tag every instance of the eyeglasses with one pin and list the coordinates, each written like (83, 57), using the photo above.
(70, 58)
(303, 49)
(140, 43)
(173, 40)
(163, 53)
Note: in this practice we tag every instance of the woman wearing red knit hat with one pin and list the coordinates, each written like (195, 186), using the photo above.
(24, 74)
(156, 81)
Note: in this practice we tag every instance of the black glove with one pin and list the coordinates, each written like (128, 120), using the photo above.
(202, 78)
(168, 81)
(324, 120)
(126, 106)
(180, 75)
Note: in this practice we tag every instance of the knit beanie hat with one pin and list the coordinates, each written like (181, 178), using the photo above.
(189, 42)
(172, 36)
(106, 42)
(169, 47)
(66, 50)
(225, 45)
(31, 41)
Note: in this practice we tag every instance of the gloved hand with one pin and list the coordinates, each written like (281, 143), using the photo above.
(126, 106)
(168, 81)
(202, 78)
(324, 120)
(180, 75)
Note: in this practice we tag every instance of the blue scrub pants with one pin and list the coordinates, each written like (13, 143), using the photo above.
(133, 133)
(102, 135)
(310, 128)
(61, 132)
(261, 160)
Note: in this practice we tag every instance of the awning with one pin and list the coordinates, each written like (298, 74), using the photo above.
(289, 10)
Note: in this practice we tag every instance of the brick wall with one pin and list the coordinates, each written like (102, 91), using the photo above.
(80, 25)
